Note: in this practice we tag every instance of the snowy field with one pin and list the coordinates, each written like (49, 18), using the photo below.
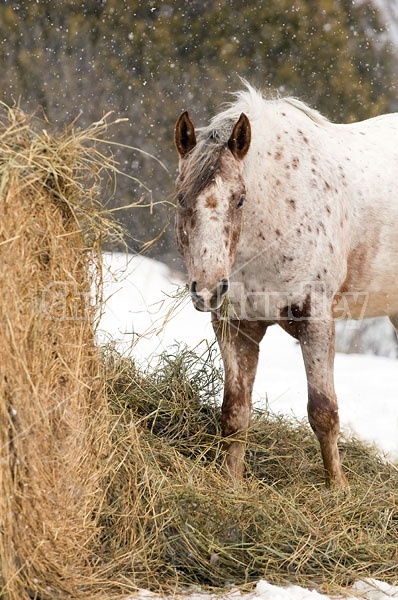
(143, 317)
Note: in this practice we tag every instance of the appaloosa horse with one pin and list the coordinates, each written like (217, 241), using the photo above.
(284, 217)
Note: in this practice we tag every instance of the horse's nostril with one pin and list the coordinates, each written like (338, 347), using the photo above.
(224, 286)
(193, 288)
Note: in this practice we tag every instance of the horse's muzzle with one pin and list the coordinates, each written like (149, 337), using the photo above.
(205, 300)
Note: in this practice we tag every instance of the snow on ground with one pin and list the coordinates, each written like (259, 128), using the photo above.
(143, 317)
(370, 589)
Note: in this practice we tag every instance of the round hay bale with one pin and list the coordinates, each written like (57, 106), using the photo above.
(52, 412)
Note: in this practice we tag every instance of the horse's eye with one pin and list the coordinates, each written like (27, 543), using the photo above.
(181, 199)
(240, 201)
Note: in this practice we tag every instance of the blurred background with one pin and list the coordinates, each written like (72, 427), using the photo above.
(148, 61)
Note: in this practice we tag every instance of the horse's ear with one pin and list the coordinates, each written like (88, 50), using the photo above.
(184, 135)
(239, 142)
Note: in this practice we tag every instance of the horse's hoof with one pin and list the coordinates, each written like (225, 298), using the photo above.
(339, 482)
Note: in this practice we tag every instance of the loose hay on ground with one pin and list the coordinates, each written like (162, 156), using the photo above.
(178, 522)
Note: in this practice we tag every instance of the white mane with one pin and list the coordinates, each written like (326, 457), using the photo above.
(313, 114)
(252, 102)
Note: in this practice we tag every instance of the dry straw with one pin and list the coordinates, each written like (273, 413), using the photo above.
(53, 416)
(109, 476)
(178, 523)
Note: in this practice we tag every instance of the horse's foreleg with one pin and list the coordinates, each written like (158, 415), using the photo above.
(239, 344)
(318, 348)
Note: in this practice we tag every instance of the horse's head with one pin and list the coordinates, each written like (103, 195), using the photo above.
(210, 196)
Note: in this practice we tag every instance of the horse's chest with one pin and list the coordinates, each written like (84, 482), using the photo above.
(258, 293)
(283, 271)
